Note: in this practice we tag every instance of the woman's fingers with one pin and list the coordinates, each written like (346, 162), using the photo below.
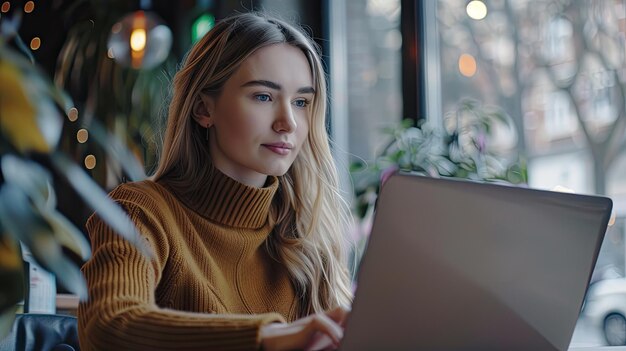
(339, 315)
(327, 333)
(321, 342)
(317, 331)
(324, 324)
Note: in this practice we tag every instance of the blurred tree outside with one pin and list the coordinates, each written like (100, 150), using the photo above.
(557, 67)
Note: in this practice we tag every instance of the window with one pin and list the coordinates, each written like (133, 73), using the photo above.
(371, 94)
(558, 68)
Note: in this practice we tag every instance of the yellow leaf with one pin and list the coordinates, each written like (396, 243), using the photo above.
(10, 257)
(66, 233)
(17, 113)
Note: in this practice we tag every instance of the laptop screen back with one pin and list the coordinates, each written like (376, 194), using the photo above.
(457, 265)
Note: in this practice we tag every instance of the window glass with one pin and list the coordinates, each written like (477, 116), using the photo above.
(558, 70)
(373, 72)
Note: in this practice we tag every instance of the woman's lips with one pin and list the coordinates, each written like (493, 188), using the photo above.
(279, 148)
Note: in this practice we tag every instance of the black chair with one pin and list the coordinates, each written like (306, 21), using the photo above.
(42, 332)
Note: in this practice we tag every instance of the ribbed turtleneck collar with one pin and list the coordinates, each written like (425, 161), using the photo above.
(224, 200)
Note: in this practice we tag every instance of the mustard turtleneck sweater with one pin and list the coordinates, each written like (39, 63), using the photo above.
(211, 283)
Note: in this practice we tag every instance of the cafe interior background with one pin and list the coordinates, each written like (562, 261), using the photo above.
(530, 92)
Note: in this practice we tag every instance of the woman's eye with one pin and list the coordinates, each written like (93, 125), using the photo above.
(301, 103)
(263, 97)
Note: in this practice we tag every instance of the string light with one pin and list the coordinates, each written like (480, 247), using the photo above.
(72, 114)
(35, 43)
(29, 7)
(90, 161)
(6, 6)
(82, 135)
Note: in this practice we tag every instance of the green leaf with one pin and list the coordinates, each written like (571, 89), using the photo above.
(61, 98)
(118, 152)
(21, 220)
(67, 234)
(18, 216)
(406, 123)
(444, 166)
(19, 43)
(357, 166)
(30, 177)
(43, 97)
(110, 212)
(35, 182)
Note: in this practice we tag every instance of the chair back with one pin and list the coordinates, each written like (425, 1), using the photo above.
(42, 332)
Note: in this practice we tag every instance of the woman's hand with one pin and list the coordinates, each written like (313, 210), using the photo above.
(322, 331)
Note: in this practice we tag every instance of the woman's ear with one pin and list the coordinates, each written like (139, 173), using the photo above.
(201, 111)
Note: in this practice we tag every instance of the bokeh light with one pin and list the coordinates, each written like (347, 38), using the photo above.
(35, 43)
(476, 9)
(29, 7)
(140, 40)
(90, 162)
(72, 114)
(467, 65)
(82, 135)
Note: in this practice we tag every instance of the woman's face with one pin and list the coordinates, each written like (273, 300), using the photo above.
(261, 117)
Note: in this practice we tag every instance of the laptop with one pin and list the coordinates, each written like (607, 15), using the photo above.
(459, 265)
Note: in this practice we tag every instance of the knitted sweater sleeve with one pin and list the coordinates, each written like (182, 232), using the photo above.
(121, 312)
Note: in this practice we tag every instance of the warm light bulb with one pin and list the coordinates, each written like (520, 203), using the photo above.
(476, 10)
(6, 6)
(138, 39)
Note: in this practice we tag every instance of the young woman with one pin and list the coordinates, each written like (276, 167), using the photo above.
(243, 214)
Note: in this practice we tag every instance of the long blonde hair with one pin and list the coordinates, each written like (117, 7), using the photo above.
(309, 213)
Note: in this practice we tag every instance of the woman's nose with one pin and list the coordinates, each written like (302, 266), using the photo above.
(285, 121)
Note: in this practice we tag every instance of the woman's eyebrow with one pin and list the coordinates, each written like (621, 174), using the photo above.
(265, 83)
(306, 90)
(276, 86)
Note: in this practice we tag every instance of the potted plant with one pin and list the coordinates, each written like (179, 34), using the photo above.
(464, 146)
(32, 112)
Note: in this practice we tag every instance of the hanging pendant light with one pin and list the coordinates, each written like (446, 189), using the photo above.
(140, 40)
